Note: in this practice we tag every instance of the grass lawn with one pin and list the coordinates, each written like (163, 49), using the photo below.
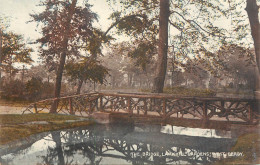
(15, 127)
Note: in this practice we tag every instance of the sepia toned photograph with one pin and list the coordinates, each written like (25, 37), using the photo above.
(129, 82)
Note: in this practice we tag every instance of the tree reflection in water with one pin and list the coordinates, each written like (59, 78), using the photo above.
(101, 144)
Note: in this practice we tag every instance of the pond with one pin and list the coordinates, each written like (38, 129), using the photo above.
(125, 144)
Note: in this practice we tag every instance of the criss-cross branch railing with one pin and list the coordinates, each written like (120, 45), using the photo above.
(166, 106)
(84, 104)
(162, 105)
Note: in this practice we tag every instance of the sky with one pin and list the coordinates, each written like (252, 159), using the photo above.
(18, 13)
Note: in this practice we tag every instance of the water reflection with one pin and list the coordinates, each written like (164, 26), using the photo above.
(210, 133)
(125, 144)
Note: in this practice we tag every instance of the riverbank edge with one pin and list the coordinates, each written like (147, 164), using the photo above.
(37, 126)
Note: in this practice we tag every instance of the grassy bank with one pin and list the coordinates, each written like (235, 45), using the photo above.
(14, 127)
(183, 91)
(249, 145)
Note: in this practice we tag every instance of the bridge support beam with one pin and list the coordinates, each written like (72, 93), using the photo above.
(101, 117)
(205, 112)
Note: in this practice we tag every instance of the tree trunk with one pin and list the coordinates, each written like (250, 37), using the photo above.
(252, 11)
(163, 47)
(62, 59)
(79, 87)
(10, 71)
(129, 79)
(57, 89)
(1, 45)
(23, 74)
(113, 81)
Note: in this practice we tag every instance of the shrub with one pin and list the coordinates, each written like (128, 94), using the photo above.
(13, 90)
(189, 91)
(47, 91)
(34, 88)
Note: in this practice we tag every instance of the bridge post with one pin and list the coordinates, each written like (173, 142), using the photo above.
(71, 106)
(164, 109)
(151, 104)
(101, 103)
(35, 108)
(90, 107)
(130, 111)
(222, 106)
(205, 112)
(250, 112)
(96, 105)
(145, 107)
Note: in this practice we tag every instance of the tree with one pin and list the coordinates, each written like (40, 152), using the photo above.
(34, 88)
(192, 23)
(252, 10)
(14, 50)
(41, 71)
(1, 45)
(195, 72)
(162, 47)
(86, 69)
(115, 63)
(238, 65)
(66, 31)
(2, 28)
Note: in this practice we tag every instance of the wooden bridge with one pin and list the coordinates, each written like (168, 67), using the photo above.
(160, 105)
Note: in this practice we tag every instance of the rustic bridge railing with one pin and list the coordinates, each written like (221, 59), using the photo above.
(82, 105)
(161, 105)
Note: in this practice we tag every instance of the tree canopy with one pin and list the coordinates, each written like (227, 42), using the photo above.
(86, 69)
(13, 49)
(67, 28)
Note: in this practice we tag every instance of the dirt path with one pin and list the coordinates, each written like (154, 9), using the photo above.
(11, 110)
